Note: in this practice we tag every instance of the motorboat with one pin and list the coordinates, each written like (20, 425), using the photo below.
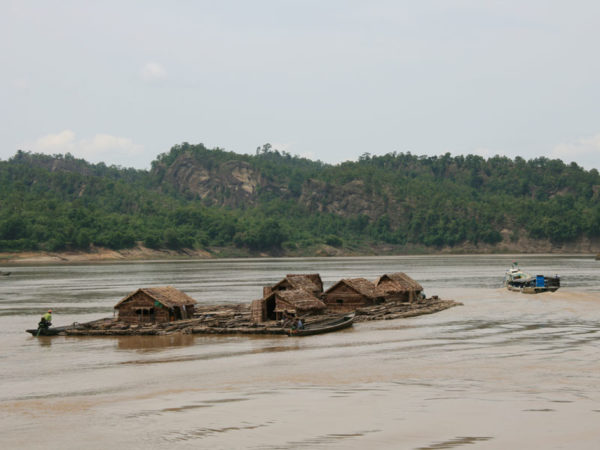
(517, 280)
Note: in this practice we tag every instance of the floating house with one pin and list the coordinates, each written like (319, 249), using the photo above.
(310, 282)
(398, 287)
(303, 293)
(280, 304)
(156, 304)
(351, 293)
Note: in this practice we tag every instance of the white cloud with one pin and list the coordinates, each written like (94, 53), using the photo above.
(153, 71)
(100, 148)
(584, 151)
(55, 143)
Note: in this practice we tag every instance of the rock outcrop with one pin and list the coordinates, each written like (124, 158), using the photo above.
(232, 183)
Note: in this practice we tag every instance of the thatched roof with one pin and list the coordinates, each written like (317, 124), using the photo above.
(298, 299)
(308, 282)
(360, 285)
(167, 295)
(315, 278)
(398, 282)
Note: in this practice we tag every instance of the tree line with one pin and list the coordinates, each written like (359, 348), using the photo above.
(60, 202)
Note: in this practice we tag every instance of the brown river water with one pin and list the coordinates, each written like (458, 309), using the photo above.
(504, 371)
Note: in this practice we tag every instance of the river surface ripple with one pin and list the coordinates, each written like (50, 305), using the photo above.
(506, 370)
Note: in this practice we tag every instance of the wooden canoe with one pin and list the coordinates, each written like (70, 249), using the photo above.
(324, 327)
(52, 331)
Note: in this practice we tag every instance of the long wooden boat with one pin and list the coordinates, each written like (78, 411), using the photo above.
(324, 327)
(52, 331)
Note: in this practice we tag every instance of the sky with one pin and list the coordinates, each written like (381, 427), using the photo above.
(123, 81)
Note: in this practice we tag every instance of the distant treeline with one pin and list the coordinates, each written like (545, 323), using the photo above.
(59, 202)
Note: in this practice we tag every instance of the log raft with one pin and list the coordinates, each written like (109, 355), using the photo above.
(401, 310)
(236, 319)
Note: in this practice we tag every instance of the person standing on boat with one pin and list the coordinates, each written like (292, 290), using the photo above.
(46, 320)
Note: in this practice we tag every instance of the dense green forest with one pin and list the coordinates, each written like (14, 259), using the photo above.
(200, 198)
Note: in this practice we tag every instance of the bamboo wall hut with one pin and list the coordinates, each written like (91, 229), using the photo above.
(349, 294)
(156, 304)
(278, 304)
(310, 282)
(398, 287)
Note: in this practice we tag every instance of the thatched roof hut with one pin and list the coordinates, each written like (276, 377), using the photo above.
(156, 304)
(349, 294)
(309, 282)
(315, 278)
(279, 303)
(298, 301)
(398, 286)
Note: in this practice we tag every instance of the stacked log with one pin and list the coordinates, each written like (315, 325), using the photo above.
(389, 311)
(235, 319)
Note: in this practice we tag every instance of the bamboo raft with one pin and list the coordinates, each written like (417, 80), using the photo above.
(235, 319)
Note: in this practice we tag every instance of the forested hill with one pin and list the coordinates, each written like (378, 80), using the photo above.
(197, 198)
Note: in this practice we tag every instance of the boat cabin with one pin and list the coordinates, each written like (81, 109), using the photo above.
(155, 305)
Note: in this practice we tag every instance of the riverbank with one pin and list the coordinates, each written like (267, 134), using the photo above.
(140, 253)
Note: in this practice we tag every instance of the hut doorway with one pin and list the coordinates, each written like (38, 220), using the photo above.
(270, 307)
(176, 313)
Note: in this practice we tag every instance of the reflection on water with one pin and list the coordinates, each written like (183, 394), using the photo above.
(153, 342)
(505, 370)
(44, 341)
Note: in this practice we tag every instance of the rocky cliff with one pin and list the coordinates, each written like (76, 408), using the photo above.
(232, 183)
(237, 183)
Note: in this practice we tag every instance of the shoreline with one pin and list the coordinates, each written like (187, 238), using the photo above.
(100, 255)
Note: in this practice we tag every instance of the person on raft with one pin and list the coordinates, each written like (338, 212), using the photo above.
(46, 320)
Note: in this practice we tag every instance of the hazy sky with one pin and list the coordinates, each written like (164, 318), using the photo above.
(122, 81)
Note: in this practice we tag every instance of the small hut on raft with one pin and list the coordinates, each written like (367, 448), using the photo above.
(156, 304)
(351, 293)
(303, 293)
(310, 282)
(279, 304)
(398, 287)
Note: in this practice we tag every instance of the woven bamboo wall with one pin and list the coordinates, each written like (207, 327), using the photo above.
(344, 299)
(391, 292)
(127, 311)
(258, 311)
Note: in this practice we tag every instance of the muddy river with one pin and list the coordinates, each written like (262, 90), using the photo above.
(504, 371)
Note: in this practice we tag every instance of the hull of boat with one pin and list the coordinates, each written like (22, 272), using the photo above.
(531, 290)
(339, 324)
(52, 331)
